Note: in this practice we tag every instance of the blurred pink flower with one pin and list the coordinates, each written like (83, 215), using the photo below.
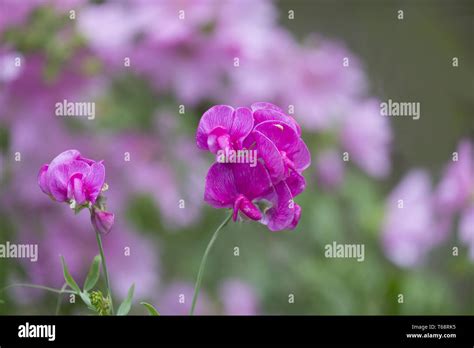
(238, 298)
(329, 169)
(322, 84)
(466, 229)
(455, 193)
(176, 299)
(9, 70)
(366, 136)
(161, 160)
(14, 13)
(411, 228)
(41, 93)
(457, 184)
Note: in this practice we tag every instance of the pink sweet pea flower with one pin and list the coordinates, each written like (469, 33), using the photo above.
(79, 181)
(72, 177)
(274, 179)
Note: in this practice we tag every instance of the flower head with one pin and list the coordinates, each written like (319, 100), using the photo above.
(72, 177)
(79, 181)
(273, 181)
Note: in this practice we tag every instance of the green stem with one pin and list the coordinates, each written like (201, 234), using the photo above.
(203, 262)
(60, 297)
(41, 287)
(104, 269)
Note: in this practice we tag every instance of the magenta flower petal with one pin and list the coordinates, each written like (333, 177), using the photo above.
(220, 189)
(252, 182)
(42, 179)
(217, 116)
(78, 167)
(300, 156)
(94, 181)
(222, 127)
(242, 124)
(217, 139)
(264, 105)
(296, 183)
(292, 150)
(58, 177)
(281, 134)
(228, 186)
(262, 115)
(296, 218)
(64, 157)
(58, 174)
(247, 207)
(75, 189)
(268, 151)
(281, 215)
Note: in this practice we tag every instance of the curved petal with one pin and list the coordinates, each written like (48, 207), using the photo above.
(282, 213)
(42, 179)
(58, 177)
(94, 181)
(262, 115)
(252, 182)
(242, 124)
(57, 182)
(217, 116)
(246, 207)
(296, 183)
(218, 139)
(65, 157)
(300, 156)
(280, 133)
(220, 190)
(264, 105)
(267, 150)
(296, 218)
(75, 189)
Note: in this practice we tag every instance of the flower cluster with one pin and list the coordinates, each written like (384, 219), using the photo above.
(419, 218)
(276, 177)
(79, 181)
(455, 193)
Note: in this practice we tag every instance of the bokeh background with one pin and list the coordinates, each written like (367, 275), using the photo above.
(153, 67)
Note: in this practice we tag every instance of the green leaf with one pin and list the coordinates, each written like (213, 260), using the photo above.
(127, 303)
(93, 275)
(85, 297)
(152, 310)
(68, 278)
